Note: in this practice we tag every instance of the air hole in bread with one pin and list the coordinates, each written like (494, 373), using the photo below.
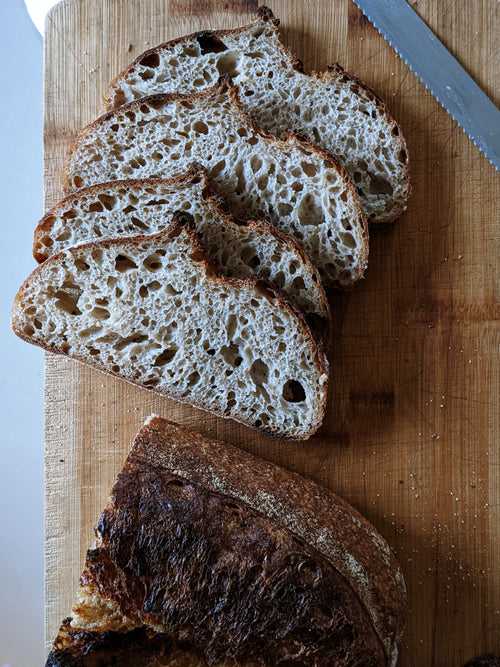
(193, 378)
(309, 211)
(217, 168)
(139, 224)
(81, 264)
(70, 214)
(293, 392)
(379, 185)
(96, 207)
(90, 331)
(100, 313)
(309, 169)
(348, 239)
(124, 264)
(200, 127)
(166, 356)
(151, 60)
(284, 209)
(228, 64)
(262, 182)
(210, 43)
(122, 343)
(259, 372)
(298, 283)
(231, 355)
(67, 301)
(255, 163)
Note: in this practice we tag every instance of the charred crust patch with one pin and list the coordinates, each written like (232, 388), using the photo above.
(227, 581)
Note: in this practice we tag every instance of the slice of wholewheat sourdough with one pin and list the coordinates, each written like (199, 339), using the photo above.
(298, 186)
(128, 208)
(152, 311)
(332, 109)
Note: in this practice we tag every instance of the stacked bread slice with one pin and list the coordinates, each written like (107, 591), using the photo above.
(206, 211)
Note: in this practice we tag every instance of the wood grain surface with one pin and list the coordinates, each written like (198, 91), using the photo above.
(412, 433)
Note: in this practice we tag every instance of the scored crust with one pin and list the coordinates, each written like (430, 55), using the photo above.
(179, 226)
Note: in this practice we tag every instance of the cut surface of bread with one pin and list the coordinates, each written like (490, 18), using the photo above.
(152, 311)
(127, 208)
(332, 108)
(206, 555)
(297, 186)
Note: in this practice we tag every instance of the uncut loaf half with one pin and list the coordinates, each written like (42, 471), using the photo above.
(151, 310)
(206, 555)
(332, 109)
(298, 186)
(127, 208)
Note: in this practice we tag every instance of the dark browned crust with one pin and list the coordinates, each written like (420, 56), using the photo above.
(198, 255)
(264, 14)
(197, 173)
(202, 537)
(225, 86)
(136, 648)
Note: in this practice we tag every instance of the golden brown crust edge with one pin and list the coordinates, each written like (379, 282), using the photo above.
(312, 513)
(177, 227)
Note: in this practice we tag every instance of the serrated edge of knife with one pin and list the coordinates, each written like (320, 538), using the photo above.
(471, 137)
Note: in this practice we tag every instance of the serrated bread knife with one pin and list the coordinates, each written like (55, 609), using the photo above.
(439, 71)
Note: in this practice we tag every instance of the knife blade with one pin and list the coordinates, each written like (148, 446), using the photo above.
(439, 71)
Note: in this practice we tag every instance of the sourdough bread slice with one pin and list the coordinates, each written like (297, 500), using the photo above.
(128, 208)
(297, 186)
(206, 555)
(332, 109)
(152, 311)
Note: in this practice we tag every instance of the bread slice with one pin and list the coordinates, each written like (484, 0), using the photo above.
(297, 186)
(206, 555)
(128, 208)
(332, 109)
(152, 311)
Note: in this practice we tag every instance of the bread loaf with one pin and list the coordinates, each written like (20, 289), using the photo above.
(297, 186)
(206, 555)
(332, 109)
(127, 208)
(153, 311)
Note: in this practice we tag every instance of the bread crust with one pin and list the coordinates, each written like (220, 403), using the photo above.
(334, 71)
(223, 86)
(319, 517)
(266, 515)
(177, 227)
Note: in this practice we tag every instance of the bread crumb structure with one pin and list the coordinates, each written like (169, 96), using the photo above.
(151, 310)
(127, 208)
(297, 186)
(331, 109)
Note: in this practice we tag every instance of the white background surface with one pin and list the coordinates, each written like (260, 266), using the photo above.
(21, 425)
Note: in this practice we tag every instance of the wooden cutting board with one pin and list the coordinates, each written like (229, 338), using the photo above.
(412, 433)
